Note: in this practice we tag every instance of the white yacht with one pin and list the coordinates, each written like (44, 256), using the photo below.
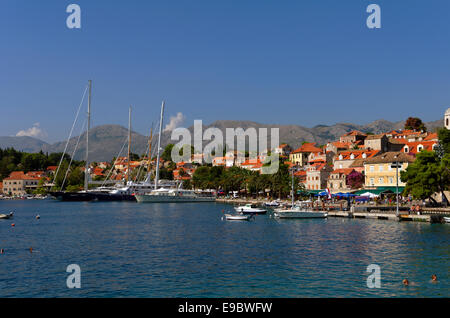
(175, 195)
(161, 194)
(298, 213)
(275, 203)
(250, 209)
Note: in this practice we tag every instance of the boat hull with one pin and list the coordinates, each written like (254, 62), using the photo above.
(144, 198)
(253, 211)
(73, 196)
(299, 215)
(230, 217)
(113, 197)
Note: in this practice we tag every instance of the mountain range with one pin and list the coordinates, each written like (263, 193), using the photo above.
(106, 141)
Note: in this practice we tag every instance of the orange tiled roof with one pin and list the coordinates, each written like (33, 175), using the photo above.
(308, 147)
(344, 171)
(357, 153)
(354, 133)
(20, 175)
(251, 162)
(341, 144)
(431, 136)
(426, 145)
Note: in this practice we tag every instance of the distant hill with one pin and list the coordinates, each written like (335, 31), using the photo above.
(106, 141)
(24, 143)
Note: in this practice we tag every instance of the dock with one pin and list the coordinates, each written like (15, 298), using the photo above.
(380, 216)
(428, 215)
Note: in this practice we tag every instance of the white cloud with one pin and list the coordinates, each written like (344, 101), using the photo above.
(175, 121)
(34, 131)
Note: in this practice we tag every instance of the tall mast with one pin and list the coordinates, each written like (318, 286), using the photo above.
(149, 161)
(292, 206)
(129, 145)
(86, 171)
(159, 146)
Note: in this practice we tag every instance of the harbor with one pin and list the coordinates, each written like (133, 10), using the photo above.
(126, 249)
(429, 215)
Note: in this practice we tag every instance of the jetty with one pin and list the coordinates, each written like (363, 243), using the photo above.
(379, 212)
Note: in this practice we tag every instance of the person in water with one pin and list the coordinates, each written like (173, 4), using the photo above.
(434, 278)
(405, 282)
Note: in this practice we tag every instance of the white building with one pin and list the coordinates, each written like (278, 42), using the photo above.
(447, 119)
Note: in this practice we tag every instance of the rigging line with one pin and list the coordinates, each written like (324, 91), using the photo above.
(73, 154)
(70, 134)
(147, 153)
(140, 166)
(115, 161)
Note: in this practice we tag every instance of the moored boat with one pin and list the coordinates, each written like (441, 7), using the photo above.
(274, 203)
(6, 216)
(175, 195)
(297, 213)
(238, 217)
(250, 209)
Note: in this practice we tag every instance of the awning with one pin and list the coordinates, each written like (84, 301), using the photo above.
(381, 190)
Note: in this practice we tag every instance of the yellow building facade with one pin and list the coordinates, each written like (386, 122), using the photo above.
(380, 173)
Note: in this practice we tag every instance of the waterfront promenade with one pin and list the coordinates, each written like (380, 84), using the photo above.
(363, 211)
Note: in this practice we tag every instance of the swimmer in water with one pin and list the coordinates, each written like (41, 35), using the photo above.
(405, 282)
(434, 278)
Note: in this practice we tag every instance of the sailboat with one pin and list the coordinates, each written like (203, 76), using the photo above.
(297, 212)
(80, 195)
(161, 194)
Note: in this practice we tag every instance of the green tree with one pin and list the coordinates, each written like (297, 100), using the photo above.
(414, 123)
(167, 153)
(444, 139)
(427, 175)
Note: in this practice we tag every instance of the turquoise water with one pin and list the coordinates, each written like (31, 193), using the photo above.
(127, 249)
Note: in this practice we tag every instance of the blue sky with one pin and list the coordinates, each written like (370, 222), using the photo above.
(282, 62)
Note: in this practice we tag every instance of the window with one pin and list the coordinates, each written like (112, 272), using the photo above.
(381, 168)
(380, 180)
(391, 180)
(372, 181)
(372, 168)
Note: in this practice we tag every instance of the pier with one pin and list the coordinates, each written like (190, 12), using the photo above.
(380, 212)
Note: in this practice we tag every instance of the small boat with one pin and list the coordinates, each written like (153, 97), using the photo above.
(6, 216)
(297, 213)
(272, 203)
(250, 209)
(238, 217)
(447, 219)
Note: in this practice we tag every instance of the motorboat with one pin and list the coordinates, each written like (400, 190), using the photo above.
(6, 216)
(250, 209)
(447, 219)
(298, 213)
(274, 203)
(238, 217)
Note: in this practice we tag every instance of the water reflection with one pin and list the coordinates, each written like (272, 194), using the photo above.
(186, 250)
